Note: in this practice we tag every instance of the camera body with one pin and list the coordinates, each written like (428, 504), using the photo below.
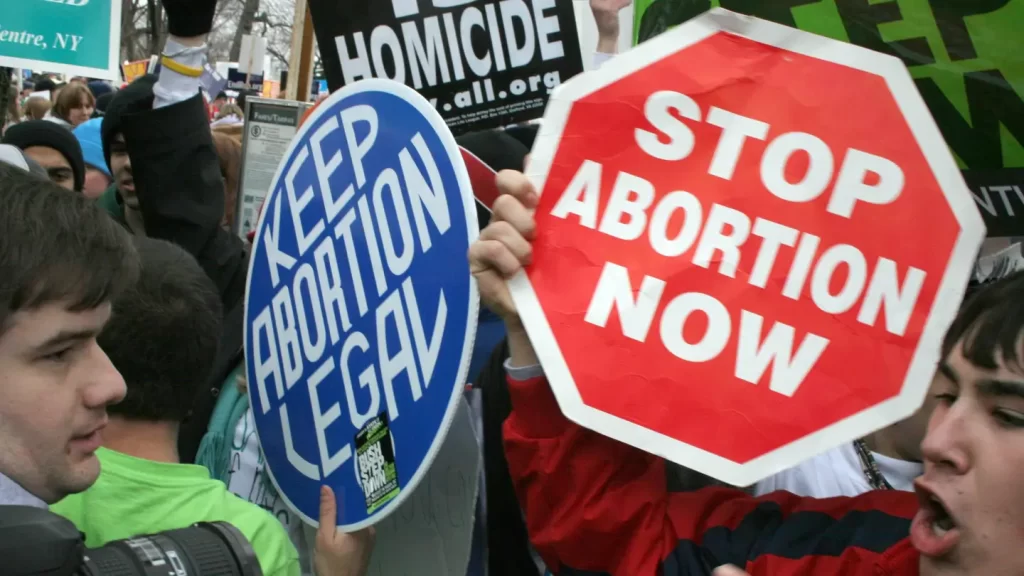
(36, 542)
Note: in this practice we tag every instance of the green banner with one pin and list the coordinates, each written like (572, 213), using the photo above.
(77, 37)
(966, 56)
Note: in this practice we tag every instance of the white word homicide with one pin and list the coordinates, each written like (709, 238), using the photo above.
(440, 49)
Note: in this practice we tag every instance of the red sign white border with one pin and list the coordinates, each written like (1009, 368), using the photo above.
(944, 308)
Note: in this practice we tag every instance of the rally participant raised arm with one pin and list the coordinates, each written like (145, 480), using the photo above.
(157, 139)
(168, 183)
(595, 504)
(606, 16)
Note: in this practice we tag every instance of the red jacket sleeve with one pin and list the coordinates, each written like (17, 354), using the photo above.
(594, 504)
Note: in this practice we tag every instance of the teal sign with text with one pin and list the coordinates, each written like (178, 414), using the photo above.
(77, 37)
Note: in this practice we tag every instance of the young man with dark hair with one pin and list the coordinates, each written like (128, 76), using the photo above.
(597, 505)
(62, 260)
(162, 337)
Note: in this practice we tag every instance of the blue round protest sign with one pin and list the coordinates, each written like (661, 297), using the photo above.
(361, 309)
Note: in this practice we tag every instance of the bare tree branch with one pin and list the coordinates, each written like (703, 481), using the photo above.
(143, 28)
(277, 54)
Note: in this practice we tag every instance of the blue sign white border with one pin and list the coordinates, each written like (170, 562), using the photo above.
(112, 72)
(469, 206)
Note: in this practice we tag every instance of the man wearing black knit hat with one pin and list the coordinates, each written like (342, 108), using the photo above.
(55, 148)
(121, 199)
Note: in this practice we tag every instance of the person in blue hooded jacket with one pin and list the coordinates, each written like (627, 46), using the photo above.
(97, 174)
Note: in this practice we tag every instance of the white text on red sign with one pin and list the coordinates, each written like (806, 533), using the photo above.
(717, 233)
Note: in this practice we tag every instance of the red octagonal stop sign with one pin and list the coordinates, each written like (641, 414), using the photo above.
(751, 240)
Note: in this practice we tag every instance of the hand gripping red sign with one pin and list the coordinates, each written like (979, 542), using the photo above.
(751, 240)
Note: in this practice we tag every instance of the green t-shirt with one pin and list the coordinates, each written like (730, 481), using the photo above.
(133, 497)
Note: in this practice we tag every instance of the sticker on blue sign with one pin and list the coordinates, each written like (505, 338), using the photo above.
(360, 308)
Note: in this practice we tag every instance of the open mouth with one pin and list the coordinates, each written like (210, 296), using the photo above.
(934, 531)
(942, 522)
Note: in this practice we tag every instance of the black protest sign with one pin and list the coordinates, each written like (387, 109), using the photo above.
(1000, 198)
(481, 63)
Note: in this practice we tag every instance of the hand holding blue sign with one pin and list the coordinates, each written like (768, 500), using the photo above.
(337, 553)
(361, 310)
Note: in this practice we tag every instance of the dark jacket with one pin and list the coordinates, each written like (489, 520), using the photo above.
(181, 197)
(508, 545)
(596, 506)
(181, 191)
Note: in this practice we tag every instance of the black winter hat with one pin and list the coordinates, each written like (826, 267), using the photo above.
(51, 135)
(46, 85)
(100, 88)
(136, 97)
(499, 151)
(101, 104)
(525, 133)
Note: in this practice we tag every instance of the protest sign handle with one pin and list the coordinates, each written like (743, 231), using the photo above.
(248, 65)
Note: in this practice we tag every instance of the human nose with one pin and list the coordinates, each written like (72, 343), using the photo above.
(106, 386)
(947, 442)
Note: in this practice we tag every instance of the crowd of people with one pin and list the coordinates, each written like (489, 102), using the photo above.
(58, 126)
(123, 403)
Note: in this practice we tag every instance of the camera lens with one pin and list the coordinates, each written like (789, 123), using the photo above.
(205, 549)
